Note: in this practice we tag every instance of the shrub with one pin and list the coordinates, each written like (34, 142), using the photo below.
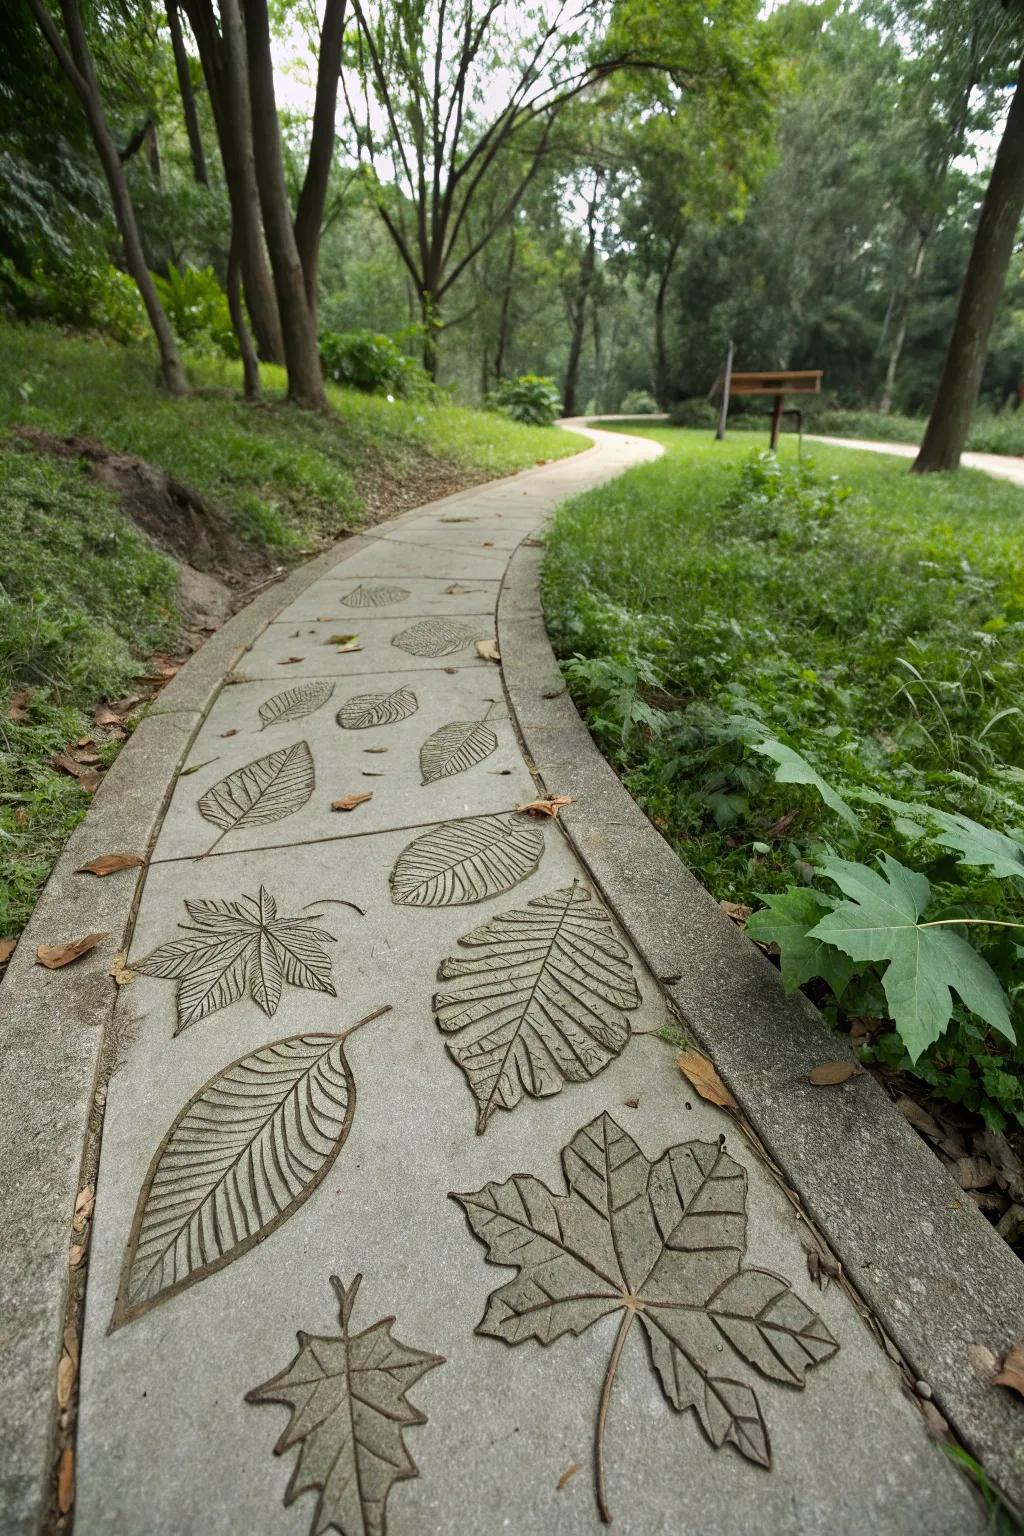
(531, 398)
(197, 308)
(696, 412)
(638, 402)
(87, 295)
(371, 362)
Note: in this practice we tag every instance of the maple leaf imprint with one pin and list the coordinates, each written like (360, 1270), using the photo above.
(349, 1409)
(661, 1242)
(234, 947)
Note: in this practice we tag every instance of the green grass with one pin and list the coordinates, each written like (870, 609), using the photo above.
(870, 619)
(991, 432)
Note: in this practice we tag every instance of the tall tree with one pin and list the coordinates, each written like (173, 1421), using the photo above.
(998, 222)
(188, 98)
(75, 59)
(309, 210)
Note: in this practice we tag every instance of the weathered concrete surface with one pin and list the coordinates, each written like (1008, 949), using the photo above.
(1002, 466)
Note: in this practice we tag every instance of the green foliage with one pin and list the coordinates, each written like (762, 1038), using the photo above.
(373, 363)
(638, 402)
(197, 308)
(757, 643)
(87, 295)
(529, 398)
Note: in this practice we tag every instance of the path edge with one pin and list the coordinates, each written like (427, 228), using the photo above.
(935, 1274)
(53, 1028)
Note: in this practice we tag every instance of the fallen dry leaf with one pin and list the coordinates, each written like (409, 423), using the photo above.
(164, 667)
(488, 544)
(569, 1472)
(828, 1073)
(353, 645)
(16, 711)
(488, 650)
(84, 1204)
(701, 1075)
(984, 1361)
(501, 772)
(1011, 1373)
(290, 661)
(736, 910)
(451, 669)
(53, 956)
(66, 1480)
(233, 732)
(65, 1380)
(104, 716)
(975, 1172)
(349, 802)
(631, 1103)
(71, 1342)
(195, 767)
(110, 863)
(456, 519)
(376, 749)
(7, 947)
(550, 805)
(76, 1254)
(340, 639)
(87, 777)
(124, 706)
(933, 1418)
(120, 972)
(552, 693)
(455, 590)
(919, 1118)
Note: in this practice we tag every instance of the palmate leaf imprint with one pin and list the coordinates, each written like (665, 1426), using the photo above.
(660, 1244)
(374, 597)
(347, 1394)
(461, 862)
(295, 703)
(434, 637)
(234, 947)
(455, 747)
(240, 1158)
(545, 1002)
(369, 709)
(263, 791)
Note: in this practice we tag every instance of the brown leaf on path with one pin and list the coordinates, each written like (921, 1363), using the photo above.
(1011, 1373)
(488, 544)
(7, 947)
(16, 711)
(232, 732)
(631, 1103)
(76, 1254)
(376, 749)
(975, 1172)
(121, 706)
(120, 972)
(164, 667)
(290, 661)
(701, 1075)
(353, 645)
(65, 1380)
(984, 1361)
(552, 693)
(919, 1118)
(487, 650)
(549, 805)
(456, 519)
(85, 774)
(110, 863)
(195, 767)
(451, 669)
(84, 1204)
(66, 1480)
(569, 1472)
(736, 910)
(53, 956)
(340, 639)
(107, 717)
(827, 1073)
(349, 802)
(455, 590)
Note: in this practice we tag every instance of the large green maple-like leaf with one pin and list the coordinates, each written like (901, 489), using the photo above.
(661, 1243)
(234, 947)
(793, 769)
(926, 962)
(787, 920)
(349, 1408)
(983, 847)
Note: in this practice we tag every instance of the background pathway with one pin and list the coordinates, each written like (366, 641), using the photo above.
(651, 1281)
(1003, 466)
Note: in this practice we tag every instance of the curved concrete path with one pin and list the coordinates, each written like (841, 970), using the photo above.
(1002, 466)
(645, 1340)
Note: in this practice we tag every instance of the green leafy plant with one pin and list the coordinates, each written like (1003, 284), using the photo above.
(371, 362)
(197, 308)
(638, 402)
(530, 398)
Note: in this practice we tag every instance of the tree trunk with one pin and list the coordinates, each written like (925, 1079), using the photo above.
(902, 321)
(960, 380)
(302, 360)
(578, 310)
(188, 100)
(250, 364)
(506, 308)
(661, 363)
(227, 84)
(430, 316)
(76, 62)
(309, 213)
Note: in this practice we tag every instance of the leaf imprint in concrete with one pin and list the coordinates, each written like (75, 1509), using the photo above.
(461, 862)
(374, 597)
(368, 709)
(240, 1158)
(434, 637)
(349, 1407)
(457, 746)
(549, 986)
(263, 791)
(660, 1243)
(234, 947)
(295, 703)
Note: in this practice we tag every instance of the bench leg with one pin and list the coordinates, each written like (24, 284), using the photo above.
(777, 421)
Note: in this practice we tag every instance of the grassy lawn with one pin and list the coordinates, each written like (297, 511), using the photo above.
(85, 598)
(719, 611)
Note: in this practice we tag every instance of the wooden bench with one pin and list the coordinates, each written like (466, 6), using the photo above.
(775, 382)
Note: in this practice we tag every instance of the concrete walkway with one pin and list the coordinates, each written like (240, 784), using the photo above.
(390, 1081)
(1003, 466)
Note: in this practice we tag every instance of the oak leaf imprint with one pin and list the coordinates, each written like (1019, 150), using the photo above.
(660, 1244)
(347, 1394)
(549, 986)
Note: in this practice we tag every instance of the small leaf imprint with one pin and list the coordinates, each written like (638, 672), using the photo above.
(369, 709)
(659, 1243)
(462, 862)
(295, 703)
(455, 747)
(549, 986)
(434, 637)
(263, 791)
(347, 1394)
(234, 947)
(374, 597)
(239, 1159)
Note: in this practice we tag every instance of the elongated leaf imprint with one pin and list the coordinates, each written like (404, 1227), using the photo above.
(434, 637)
(266, 790)
(234, 947)
(374, 597)
(549, 986)
(243, 1154)
(455, 747)
(347, 1394)
(661, 1243)
(461, 862)
(368, 709)
(295, 703)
